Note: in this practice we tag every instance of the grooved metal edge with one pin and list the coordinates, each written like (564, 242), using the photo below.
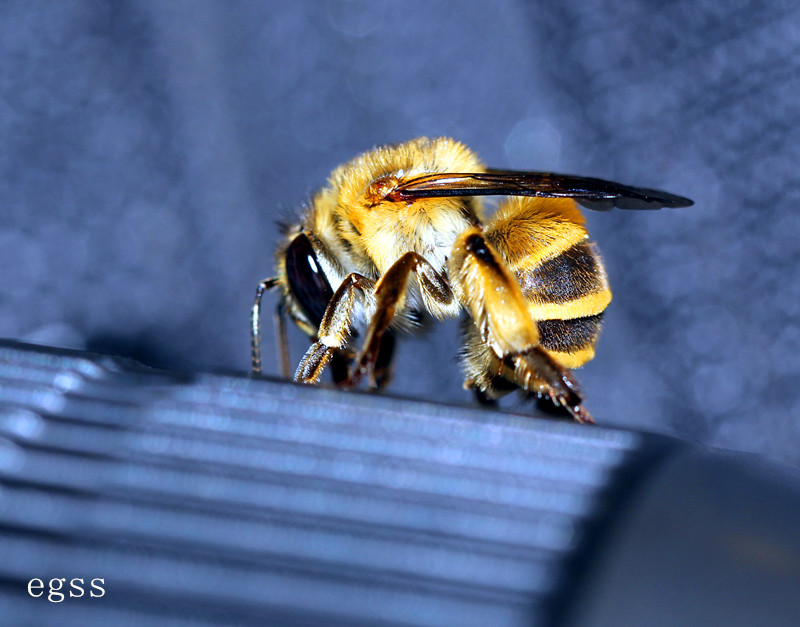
(228, 499)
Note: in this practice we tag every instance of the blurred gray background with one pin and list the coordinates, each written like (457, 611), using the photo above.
(149, 148)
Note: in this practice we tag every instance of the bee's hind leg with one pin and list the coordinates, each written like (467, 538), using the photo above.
(531, 370)
(536, 371)
(505, 340)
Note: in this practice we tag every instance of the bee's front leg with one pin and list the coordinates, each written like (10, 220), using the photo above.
(335, 327)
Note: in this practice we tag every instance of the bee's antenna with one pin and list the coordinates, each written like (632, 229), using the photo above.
(255, 329)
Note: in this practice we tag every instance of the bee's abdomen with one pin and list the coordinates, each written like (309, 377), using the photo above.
(564, 336)
(566, 297)
(567, 277)
(572, 284)
(559, 270)
(570, 341)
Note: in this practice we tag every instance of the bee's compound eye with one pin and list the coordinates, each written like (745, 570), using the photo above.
(307, 281)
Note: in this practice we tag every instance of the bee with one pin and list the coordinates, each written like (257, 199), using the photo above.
(400, 232)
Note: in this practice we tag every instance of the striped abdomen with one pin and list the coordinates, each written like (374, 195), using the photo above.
(559, 270)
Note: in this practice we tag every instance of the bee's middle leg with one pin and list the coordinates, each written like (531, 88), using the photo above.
(390, 291)
(341, 363)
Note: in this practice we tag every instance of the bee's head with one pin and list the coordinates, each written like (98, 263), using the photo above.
(308, 291)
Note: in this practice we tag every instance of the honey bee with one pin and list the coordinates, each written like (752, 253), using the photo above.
(400, 232)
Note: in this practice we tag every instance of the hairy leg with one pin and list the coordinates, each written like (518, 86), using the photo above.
(390, 292)
(335, 327)
(341, 363)
(505, 345)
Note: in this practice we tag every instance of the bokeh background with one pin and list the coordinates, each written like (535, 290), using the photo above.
(149, 148)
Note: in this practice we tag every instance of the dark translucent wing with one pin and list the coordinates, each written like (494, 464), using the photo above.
(591, 193)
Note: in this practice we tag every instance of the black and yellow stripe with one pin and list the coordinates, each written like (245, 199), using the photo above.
(560, 273)
(572, 341)
(566, 296)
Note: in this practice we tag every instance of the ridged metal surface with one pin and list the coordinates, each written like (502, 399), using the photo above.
(222, 499)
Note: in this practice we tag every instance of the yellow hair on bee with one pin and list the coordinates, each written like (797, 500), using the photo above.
(575, 359)
(354, 203)
(587, 305)
(531, 233)
(407, 160)
(491, 294)
(530, 230)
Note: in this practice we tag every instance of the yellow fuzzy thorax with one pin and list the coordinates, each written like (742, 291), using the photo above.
(408, 160)
(353, 206)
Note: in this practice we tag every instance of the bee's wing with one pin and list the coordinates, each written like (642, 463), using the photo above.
(590, 192)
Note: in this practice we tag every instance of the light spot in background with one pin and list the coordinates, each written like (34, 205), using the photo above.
(533, 143)
(711, 331)
(635, 103)
(23, 423)
(356, 18)
(12, 457)
(672, 272)
(717, 389)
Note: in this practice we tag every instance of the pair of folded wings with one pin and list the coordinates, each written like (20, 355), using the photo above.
(589, 192)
